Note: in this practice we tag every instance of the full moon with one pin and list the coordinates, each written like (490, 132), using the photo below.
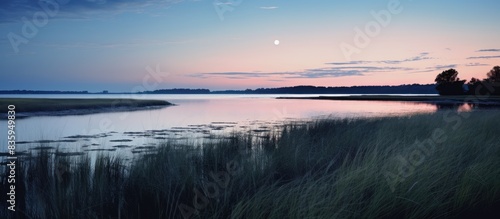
(276, 42)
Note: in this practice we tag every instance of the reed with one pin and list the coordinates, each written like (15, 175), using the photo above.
(440, 165)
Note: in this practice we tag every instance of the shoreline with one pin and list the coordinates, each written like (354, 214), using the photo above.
(491, 100)
(27, 107)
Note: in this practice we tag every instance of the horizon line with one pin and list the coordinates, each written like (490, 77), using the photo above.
(210, 90)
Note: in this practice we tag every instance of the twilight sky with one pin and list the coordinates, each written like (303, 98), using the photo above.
(118, 45)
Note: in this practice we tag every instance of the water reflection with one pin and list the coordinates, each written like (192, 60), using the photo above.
(464, 107)
(194, 117)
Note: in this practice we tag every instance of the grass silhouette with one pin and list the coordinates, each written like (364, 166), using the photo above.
(440, 165)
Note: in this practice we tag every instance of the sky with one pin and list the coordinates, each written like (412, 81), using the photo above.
(130, 45)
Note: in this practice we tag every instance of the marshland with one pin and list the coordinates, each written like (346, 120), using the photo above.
(442, 164)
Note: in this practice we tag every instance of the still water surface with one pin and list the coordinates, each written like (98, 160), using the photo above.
(193, 117)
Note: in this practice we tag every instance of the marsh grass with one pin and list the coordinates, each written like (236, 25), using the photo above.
(348, 168)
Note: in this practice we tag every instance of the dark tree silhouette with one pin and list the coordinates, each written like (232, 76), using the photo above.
(448, 83)
(474, 81)
(473, 86)
(450, 75)
(494, 74)
(493, 80)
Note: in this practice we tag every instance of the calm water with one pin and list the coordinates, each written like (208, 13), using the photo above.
(193, 118)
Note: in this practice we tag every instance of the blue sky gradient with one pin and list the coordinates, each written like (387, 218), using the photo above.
(107, 44)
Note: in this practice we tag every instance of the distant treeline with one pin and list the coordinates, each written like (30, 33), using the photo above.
(40, 92)
(399, 89)
(178, 91)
